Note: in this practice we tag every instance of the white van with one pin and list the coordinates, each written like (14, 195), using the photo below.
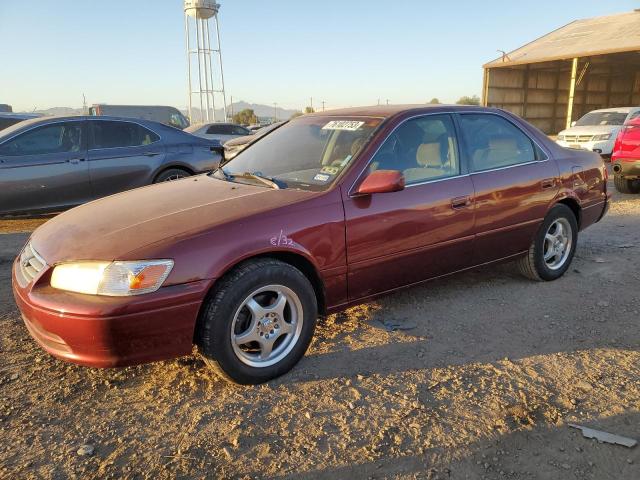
(158, 113)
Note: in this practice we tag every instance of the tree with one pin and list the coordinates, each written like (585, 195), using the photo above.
(309, 110)
(296, 114)
(245, 117)
(434, 101)
(466, 100)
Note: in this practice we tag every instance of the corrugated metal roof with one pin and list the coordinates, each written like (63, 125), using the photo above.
(581, 38)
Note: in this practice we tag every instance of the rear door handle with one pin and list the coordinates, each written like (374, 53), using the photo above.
(151, 154)
(460, 202)
(75, 161)
(548, 183)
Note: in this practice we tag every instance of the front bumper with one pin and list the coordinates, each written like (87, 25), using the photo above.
(110, 331)
(604, 147)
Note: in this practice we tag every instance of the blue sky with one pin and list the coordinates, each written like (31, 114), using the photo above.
(346, 52)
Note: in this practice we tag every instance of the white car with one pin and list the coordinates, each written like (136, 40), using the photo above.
(218, 131)
(597, 130)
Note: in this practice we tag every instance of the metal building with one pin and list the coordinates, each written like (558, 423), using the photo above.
(585, 65)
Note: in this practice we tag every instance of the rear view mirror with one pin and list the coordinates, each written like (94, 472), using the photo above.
(382, 181)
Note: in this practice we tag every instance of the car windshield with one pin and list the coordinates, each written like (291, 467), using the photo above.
(307, 153)
(602, 118)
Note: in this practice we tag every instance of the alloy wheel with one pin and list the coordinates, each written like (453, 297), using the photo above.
(267, 326)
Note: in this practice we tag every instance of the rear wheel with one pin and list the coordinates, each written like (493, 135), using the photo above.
(553, 247)
(171, 174)
(624, 185)
(258, 322)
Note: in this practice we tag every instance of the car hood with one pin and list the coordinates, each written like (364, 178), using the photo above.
(109, 228)
(590, 130)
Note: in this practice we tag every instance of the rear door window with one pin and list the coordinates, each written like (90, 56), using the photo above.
(61, 137)
(109, 134)
(494, 142)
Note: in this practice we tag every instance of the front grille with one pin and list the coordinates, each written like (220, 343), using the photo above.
(31, 264)
(578, 138)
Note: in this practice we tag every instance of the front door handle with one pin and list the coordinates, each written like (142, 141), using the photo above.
(151, 154)
(75, 161)
(460, 202)
(548, 183)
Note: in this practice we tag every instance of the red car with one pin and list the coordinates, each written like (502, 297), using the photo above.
(326, 212)
(625, 158)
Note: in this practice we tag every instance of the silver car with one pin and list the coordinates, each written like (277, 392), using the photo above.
(218, 131)
(53, 163)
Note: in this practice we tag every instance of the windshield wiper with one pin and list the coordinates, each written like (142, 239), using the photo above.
(266, 180)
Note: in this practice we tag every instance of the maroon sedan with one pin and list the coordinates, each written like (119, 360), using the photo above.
(326, 212)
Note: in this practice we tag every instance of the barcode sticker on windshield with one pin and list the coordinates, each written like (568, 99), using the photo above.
(343, 125)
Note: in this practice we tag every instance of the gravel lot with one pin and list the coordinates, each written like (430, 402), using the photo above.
(480, 382)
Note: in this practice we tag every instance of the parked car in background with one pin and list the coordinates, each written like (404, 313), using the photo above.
(625, 158)
(158, 113)
(53, 163)
(219, 131)
(8, 119)
(328, 211)
(235, 146)
(597, 130)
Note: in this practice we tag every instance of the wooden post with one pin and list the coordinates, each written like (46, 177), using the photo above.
(525, 86)
(572, 91)
(485, 88)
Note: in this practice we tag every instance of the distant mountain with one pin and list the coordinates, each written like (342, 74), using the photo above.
(261, 111)
(60, 111)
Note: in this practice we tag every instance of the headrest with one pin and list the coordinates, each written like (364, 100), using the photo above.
(503, 143)
(429, 155)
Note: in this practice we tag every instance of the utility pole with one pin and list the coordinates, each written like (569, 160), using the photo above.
(311, 104)
(84, 105)
(387, 101)
(378, 102)
(275, 112)
(323, 105)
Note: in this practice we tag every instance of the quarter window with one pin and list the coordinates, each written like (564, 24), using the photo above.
(422, 149)
(494, 142)
(56, 138)
(108, 134)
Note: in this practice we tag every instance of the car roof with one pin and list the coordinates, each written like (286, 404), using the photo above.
(387, 111)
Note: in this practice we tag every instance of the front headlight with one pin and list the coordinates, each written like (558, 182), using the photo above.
(116, 279)
(561, 138)
(604, 136)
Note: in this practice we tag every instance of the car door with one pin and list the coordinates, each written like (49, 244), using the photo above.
(515, 181)
(426, 230)
(122, 155)
(45, 168)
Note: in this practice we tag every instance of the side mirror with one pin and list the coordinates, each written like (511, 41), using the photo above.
(382, 181)
(573, 124)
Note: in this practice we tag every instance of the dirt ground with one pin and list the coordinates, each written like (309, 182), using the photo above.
(479, 383)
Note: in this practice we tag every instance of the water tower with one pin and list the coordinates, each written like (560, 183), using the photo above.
(204, 62)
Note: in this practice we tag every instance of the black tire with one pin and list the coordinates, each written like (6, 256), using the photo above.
(533, 265)
(171, 174)
(624, 185)
(214, 331)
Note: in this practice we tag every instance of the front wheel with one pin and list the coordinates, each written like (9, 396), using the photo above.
(553, 247)
(258, 322)
(171, 174)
